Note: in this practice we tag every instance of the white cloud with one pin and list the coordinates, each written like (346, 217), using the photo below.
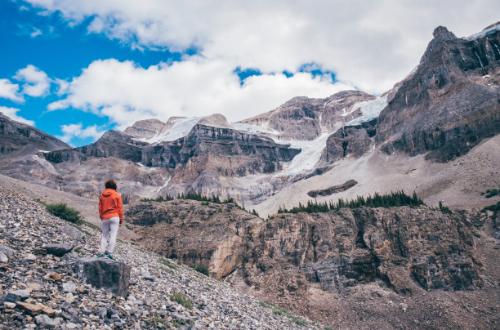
(372, 44)
(71, 131)
(35, 32)
(12, 114)
(9, 90)
(125, 92)
(35, 81)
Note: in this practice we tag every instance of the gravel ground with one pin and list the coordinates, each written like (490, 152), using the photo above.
(68, 303)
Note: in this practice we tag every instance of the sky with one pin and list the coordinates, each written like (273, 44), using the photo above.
(78, 68)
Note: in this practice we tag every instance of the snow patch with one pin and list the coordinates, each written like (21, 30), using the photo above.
(255, 129)
(484, 33)
(164, 185)
(180, 128)
(369, 109)
(309, 155)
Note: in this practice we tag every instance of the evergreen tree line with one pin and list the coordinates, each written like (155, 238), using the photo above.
(399, 198)
(192, 196)
(201, 198)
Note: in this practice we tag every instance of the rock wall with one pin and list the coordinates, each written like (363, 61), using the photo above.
(349, 141)
(450, 103)
(400, 248)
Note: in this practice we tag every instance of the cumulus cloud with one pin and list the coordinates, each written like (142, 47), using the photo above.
(372, 44)
(125, 92)
(12, 114)
(35, 82)
(9, 90)
(71, 131)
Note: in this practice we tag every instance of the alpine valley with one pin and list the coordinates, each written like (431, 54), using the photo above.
(435, 134)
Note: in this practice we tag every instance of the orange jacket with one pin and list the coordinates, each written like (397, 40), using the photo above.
(110, 205)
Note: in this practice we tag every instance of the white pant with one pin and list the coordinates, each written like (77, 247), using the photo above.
(109, 231)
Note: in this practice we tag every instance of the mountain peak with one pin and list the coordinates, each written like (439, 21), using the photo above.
(441, 32)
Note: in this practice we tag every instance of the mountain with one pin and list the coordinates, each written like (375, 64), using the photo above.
(450, 103)
(18, 139)
(303, 118)
(22, 149)
(445, 108)
(377, 262)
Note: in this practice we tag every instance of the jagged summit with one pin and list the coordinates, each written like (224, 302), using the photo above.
(441, 32)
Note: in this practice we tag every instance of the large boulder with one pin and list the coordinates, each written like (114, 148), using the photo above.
(113, 276)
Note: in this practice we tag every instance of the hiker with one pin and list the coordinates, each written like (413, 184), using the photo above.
(111, 213)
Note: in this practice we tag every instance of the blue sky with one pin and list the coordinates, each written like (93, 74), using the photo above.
(62, 52)
(78, 68)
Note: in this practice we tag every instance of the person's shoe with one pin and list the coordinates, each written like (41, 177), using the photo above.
(101, 255)
(109, 256)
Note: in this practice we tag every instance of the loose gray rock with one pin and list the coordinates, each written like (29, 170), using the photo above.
(57, 250)
(110, 275)
(45, 322)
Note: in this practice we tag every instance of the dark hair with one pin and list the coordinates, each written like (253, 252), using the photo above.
(110, 184)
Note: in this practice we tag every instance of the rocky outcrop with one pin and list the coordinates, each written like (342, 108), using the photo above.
(306, 118)
(450, 103)
(23, 139)
(111, 144)
(403, 248)
(333, 189)
(250, 153)
(329, 258)
(102, 273)
(194, 233)
(145, 129)
(349, 141)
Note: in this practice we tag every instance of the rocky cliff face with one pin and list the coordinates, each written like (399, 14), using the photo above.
(450, 103)
(257, 154)
(194, 233)
(305, 118)
(300, 260)
(349, 140)
(111, 144)
(402, 248)
(23, 139)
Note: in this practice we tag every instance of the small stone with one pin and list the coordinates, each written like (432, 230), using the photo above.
(36, 308)
(69, 287)
(54, 276)
(58, 250)
(34, 286)
(3, 258)
(103, 312)
(7, 251)
(69, 298)
(45, 321)
(9, 305)
(16, 295)
(30, 257)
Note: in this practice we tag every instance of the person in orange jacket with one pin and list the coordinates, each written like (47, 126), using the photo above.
(111, 213)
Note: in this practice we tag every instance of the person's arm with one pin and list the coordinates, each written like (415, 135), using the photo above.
(100, 207)
(120, 208)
